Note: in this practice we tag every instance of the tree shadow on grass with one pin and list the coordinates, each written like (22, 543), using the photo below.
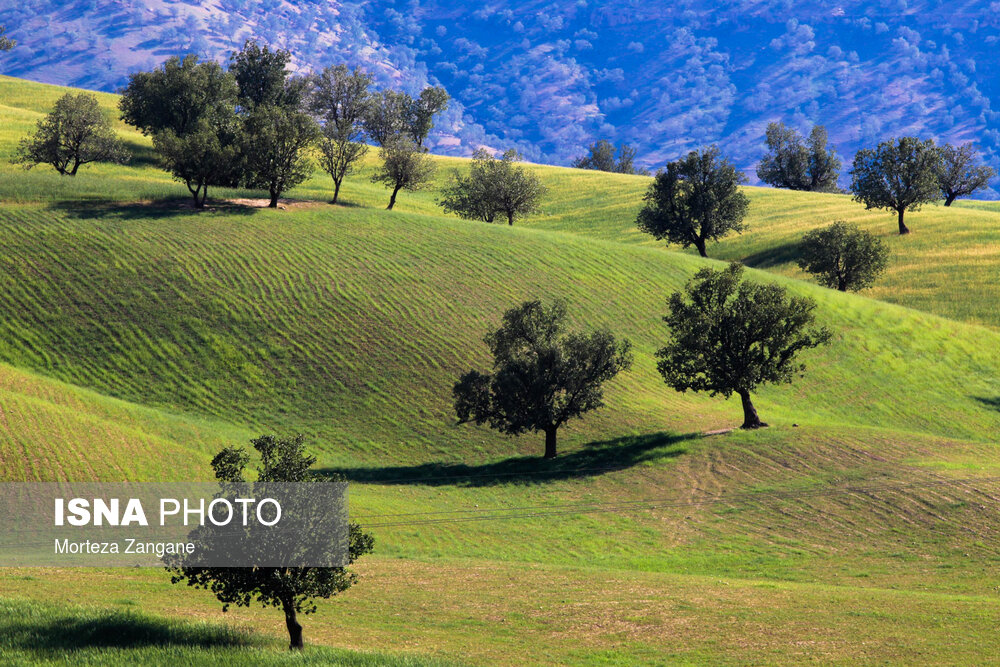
(114, 629)
(593, 459)
(787, 253)
(992, 403)
(160, 208)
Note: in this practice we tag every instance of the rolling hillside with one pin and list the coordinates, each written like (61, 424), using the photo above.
(138, 336)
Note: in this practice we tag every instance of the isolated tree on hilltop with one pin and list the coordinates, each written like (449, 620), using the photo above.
(294, 589)
(797, 163)
(76, 132)
(958, 175)
(729, 336)
(404, 167)
(541, 377)
(602, 158)
(898, 175)
(696, 200)
(843, 256)
(340, 97)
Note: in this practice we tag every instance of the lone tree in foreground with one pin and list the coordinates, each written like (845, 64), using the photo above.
(731, 336)
(404, 167)
(958, 175)
(294, 589)
(493, 187)
(797, 163)
(696, 200)
(843, 256)
(897, 175)
(74, 133)
(541, 377)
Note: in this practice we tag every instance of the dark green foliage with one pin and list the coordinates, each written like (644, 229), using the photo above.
(404, 167)
(493, 187)
(262, 79)
(386, 116)
(340, 96)
(541, 377)
(177, 96)
(206, 155)
(294, 589)
(420, 118)
(797, 163)
(958, 175)
(898, 175)
(696, 200)
(843, 256)
(730, 335)
(74, 133)
(274, 142)
(602, 158)
(6, 43)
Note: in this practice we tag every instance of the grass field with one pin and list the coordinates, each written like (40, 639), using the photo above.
(138, 337)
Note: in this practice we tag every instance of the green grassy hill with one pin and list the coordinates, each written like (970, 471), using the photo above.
(139, 336)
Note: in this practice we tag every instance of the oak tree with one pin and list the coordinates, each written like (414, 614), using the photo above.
(843, 256)
(730, 335)
(74, 133)
(542, 377)
(695, 200)
(959, 175)
(404, 167)
(899, 175)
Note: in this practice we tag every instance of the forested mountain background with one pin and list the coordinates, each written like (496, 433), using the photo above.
(551, 77)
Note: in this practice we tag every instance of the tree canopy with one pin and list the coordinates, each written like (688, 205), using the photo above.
(274, 142)
(262, 77)
(73, 134)
(493, 187)
(420, 114)
(340, 97)
(696, 200)
(294, 589)
(899, 175)
(730, 335)
(404, 167)
(541, 377)
(959, 175)
(798, 163)
(843, 256)
(601, 156)
(177, 96)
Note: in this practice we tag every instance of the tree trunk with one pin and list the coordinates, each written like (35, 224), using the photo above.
(336, 192)
(750, 418)
(392, 199)
(76, 165)
(293, 625)
(949, 199)
(274, 199)
(700, 245)
(841, 284)
(903, 229)
(550, 442)
(510, 221)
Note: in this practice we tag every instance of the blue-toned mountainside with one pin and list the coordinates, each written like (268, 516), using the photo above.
(550, 77)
